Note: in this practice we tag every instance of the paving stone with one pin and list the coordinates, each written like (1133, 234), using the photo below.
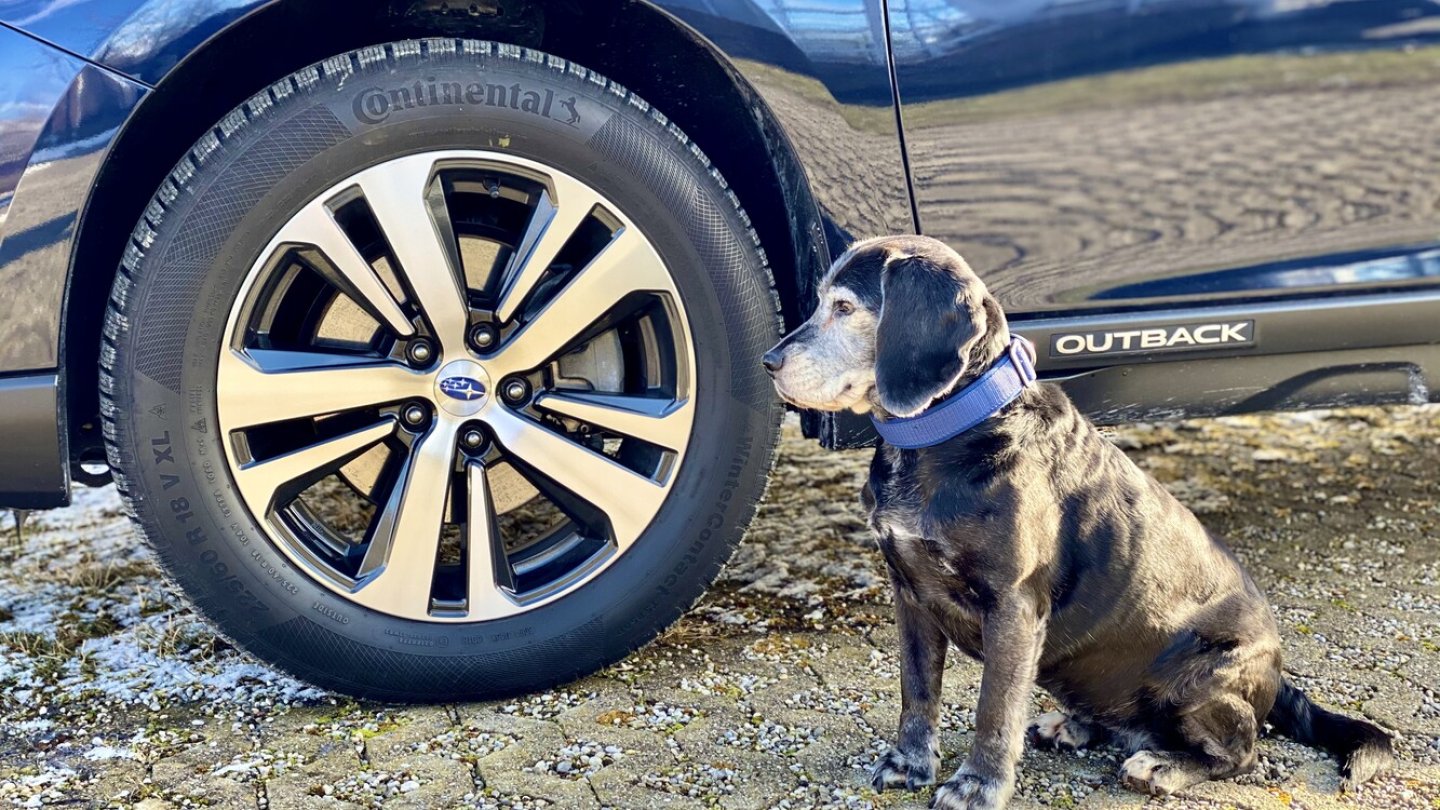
(747, 705)
(1112, 797)
(418, 725)
(118, 780)
(1234, 794)
(442, 782)
(186, 780)
(507, 775)
(293, 792)
(297, 785)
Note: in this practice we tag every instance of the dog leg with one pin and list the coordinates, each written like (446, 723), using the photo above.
(1065, 732)
(1013, 632)
(912, 763)
(1161, 773)
(1220, 743)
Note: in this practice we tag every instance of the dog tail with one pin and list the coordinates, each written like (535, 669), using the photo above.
(1364, 749)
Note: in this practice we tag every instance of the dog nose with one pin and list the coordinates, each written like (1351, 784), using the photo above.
(773, 360)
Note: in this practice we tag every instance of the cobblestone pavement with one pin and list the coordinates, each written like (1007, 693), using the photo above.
(776, 691)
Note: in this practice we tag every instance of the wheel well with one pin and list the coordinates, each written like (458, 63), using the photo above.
(677, 71)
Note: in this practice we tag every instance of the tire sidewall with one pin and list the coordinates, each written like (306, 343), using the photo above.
(193, 514)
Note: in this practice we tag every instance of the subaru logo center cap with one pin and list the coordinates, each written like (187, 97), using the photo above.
(462, 387)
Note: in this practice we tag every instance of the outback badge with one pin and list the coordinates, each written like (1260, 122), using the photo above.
(1180, 337)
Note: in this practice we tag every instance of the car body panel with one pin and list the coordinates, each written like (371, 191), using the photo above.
(1120, 154)
(58, 115)
(822, 68)
(34, 468)
(141, 39)
(838, 109)
(1069, 241)
(60, 118)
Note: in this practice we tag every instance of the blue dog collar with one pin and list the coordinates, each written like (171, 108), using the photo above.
(968, 407)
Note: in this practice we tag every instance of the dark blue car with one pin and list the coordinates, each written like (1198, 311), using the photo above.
(423, 336)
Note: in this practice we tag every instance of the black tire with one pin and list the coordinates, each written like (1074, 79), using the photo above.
(215, 212)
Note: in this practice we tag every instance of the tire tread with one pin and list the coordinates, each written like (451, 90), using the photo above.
(115, 403)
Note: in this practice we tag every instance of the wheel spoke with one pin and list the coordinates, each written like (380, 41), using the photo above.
(628, 499)
(264, 386)
(658, 421)
(580, 273)
(398, 569)
(274, 482)
(487, 569)
(406, 207)
(555, 220)
(628, 264)
(348, 270)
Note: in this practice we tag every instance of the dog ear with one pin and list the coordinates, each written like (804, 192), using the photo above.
(921, 342)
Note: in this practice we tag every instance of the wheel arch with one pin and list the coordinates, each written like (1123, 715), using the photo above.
(710, 97)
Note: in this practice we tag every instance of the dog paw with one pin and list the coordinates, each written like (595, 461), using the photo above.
(1152, 774)
(1051, 730)
(900, 770)
(1059, 731)
(969, 791)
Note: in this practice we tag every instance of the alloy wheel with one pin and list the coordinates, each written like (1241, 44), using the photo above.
(457, 386)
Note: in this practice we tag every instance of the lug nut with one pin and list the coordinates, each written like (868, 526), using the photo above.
(516, 390)
(483, 336)
(472, 439)
(414, 415)
(420, 352)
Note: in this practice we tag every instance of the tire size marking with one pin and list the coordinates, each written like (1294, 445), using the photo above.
(164, 453)
(180, 508)
(162, 450)
(496, 638)
(237, 530)
(418, 639)
(224, 509)
(275, 574)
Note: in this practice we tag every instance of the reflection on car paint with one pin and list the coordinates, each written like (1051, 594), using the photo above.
(1087, 154)
(821, 67)
(55, 127)
(1080, 154)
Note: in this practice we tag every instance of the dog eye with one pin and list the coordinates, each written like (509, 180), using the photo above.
(843, 308)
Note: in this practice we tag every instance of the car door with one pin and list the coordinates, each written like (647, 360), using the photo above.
(1087, 154)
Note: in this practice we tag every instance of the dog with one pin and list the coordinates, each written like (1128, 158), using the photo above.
(1034, 545)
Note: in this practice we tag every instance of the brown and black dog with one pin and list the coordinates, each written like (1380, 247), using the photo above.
(1036, 546)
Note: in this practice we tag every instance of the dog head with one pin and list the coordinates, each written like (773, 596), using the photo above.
(900, 322)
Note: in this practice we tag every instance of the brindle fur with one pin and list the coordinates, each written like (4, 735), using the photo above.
(1034, 545)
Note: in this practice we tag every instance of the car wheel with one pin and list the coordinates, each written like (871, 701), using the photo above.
(432, 372)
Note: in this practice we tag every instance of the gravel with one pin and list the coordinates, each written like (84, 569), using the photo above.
(778, 690)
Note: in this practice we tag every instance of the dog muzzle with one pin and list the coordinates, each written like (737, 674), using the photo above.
(967, 407)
